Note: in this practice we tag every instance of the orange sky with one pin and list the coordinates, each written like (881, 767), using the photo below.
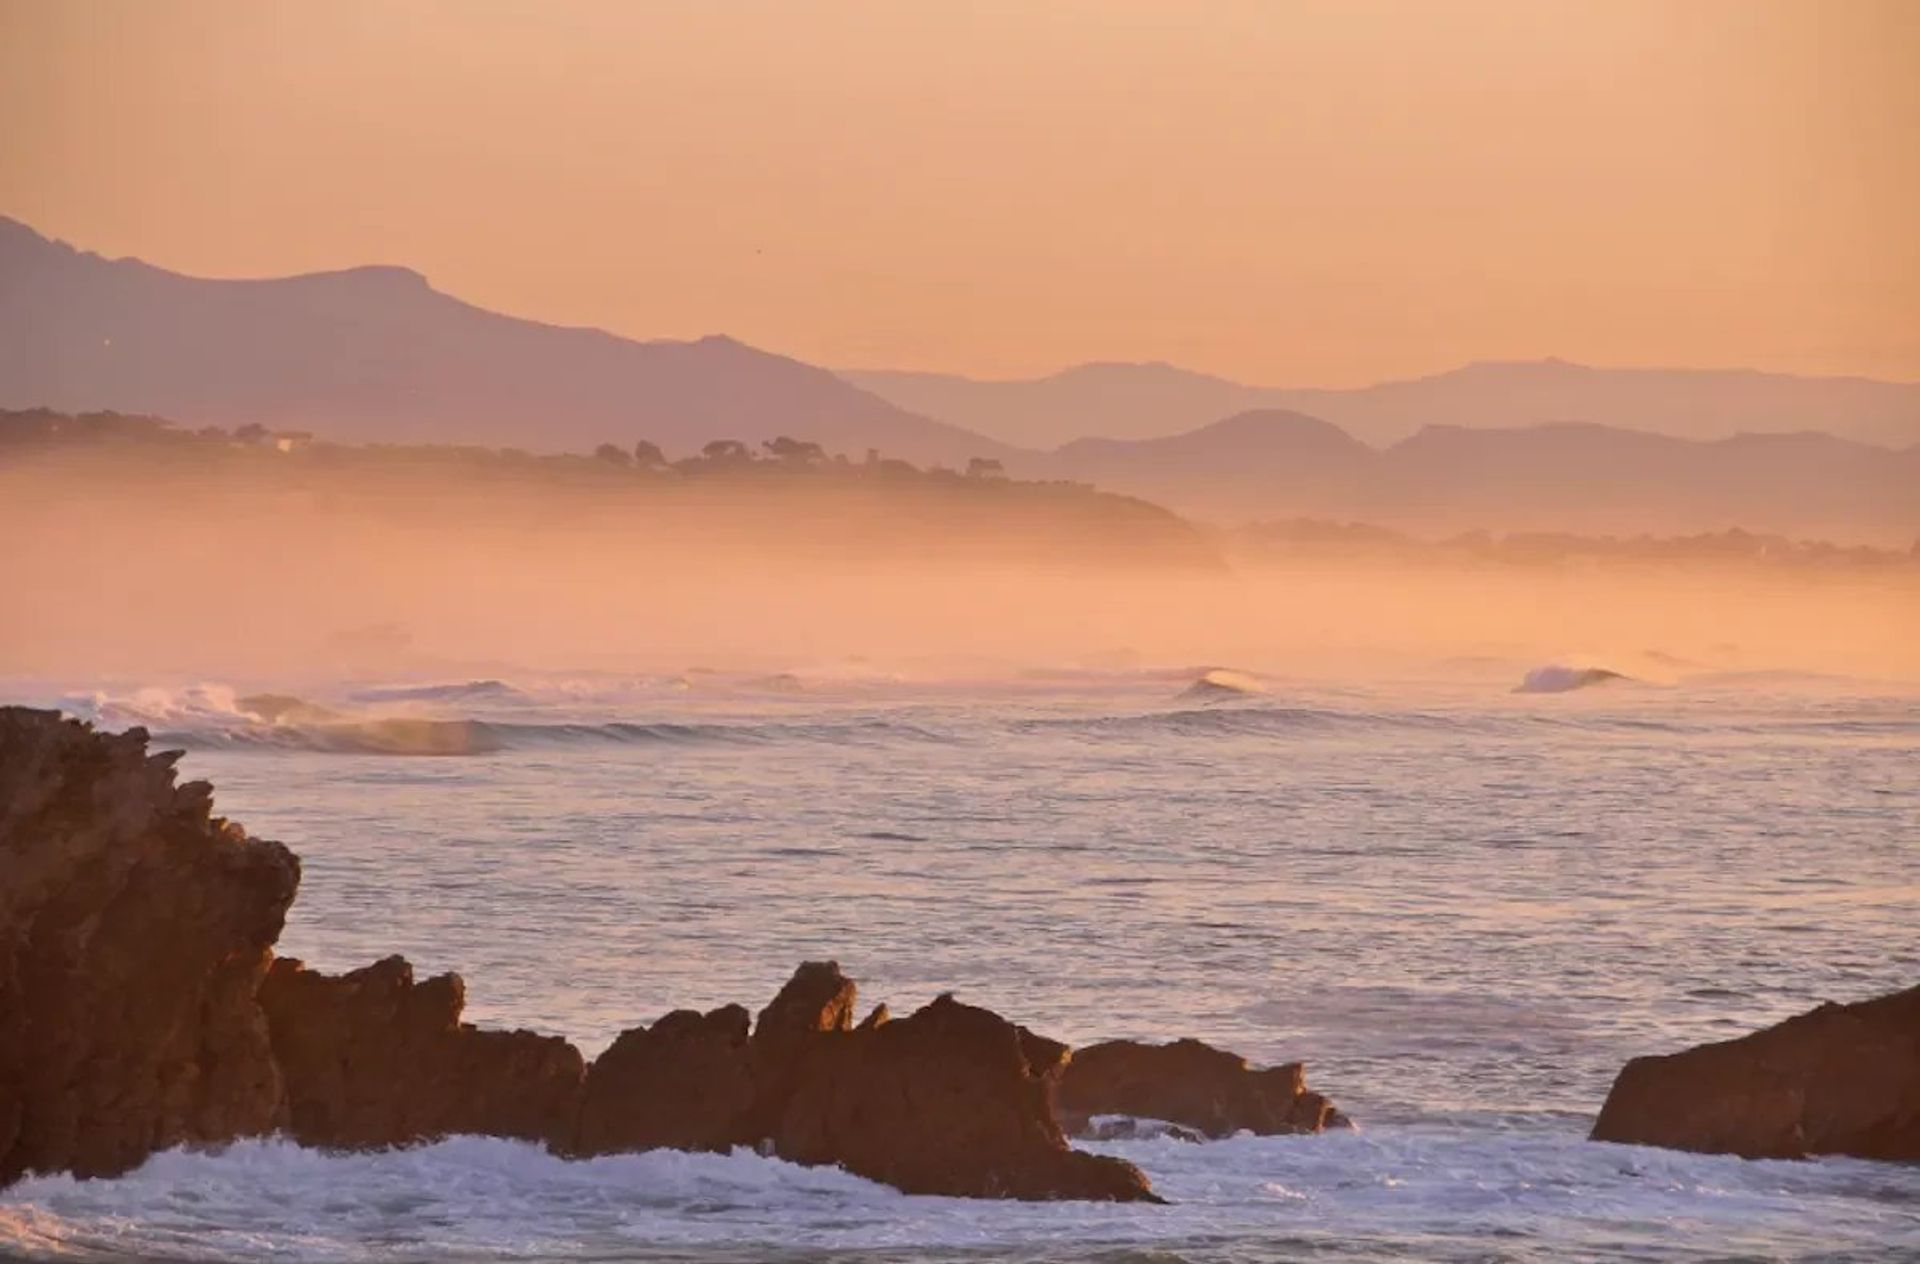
(1288, 193)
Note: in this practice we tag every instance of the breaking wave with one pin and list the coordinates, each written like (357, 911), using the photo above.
(1249, 720)
(390, 736)
(1559, 678)
(485, 717)
(408, 736)
(483, 691)
(1223, 684)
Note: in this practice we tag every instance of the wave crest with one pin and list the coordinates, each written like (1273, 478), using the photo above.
(1223, 684)
(1560, 678)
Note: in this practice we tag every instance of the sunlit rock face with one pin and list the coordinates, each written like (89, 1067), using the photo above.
(1839, 1079)
(1190, 1083)
(135, 928)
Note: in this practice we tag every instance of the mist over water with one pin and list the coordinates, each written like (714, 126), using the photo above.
(145, 566)
(1464, 837)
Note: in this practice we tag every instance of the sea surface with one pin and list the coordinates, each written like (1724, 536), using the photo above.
(1464, 906)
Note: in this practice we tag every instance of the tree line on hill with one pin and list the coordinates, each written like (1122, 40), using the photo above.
(781, 454)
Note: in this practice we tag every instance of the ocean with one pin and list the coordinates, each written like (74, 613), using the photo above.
(1463, 906)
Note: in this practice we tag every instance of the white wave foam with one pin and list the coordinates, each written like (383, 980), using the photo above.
(150, 706)
(1436, 1192)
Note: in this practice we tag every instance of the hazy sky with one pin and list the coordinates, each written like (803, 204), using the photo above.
(1289, 193)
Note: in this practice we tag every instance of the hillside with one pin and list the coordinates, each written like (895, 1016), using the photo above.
(376, 353)
(1567, 477)
(779, 505)
(1232, 467)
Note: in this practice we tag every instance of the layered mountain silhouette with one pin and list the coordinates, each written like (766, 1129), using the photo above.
(377, 354)
(1141, 401)
(1253, 464)
(1569, 476)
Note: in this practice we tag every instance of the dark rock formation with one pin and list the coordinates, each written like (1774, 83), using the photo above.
(686, 1083)
(1839, 1079)
(141, 1008)
(373, 1059)
(1190, 1083)
(949, 1100)
(134, 929)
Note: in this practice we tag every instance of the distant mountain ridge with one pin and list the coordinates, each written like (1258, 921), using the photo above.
(376, 354)
(1569, 477)
(1142, 401)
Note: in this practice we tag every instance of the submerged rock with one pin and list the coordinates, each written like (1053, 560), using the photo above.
(1839, 1079)
(134, 930)
(373, 1059)
(1191, 1083)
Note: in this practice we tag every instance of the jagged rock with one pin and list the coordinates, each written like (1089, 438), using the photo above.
(950, 1100)
(141, 1007)
(1188, 1082)
(685, 1083)
(134, 928)
(817, 998)
(1839, 1079)
(372, 1059)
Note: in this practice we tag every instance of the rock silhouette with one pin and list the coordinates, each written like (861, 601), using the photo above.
(950, 1100)
(135, 928)
(1839, 1079)
(1191, 1083)
(685, 1083)
(141, 1008)
(874, 1100)
(372, 1059)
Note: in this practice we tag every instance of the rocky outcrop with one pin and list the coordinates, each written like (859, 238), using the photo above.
(816, 1001)
(1839, 1079)
(372, 1059)
(950, 1100)
(685, 1083)
(134, 930)
(141, 1008)
(1191, 1083)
